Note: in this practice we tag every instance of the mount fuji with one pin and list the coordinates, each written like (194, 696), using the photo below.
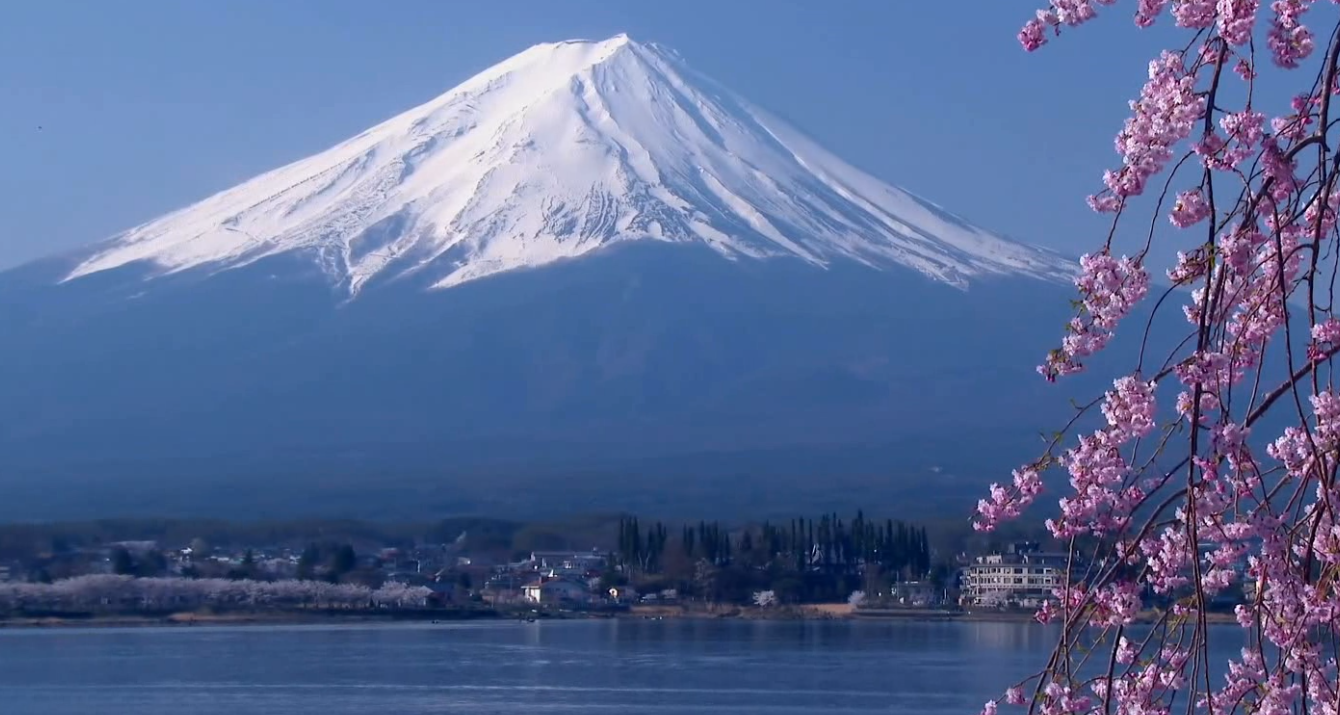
(587, 276)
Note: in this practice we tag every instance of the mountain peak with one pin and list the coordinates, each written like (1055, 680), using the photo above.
(609, 44)
(621, 38)
(558, 151)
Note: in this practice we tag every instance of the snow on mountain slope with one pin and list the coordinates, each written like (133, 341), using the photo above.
(558, 151)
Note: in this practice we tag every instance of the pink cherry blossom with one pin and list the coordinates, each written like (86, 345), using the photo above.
(1195, 13)
(1126, 651)
(1190, 266)
(1116, 604)
(1245, 131)
(1236, 495)
(1165, 114)
(1236, 20)
(1289, 40)
(1325, 339)
(1034, 34)
(1006, 504)
(1148, 11)
(1110, 287)
(1129, 408)
(1190, 208)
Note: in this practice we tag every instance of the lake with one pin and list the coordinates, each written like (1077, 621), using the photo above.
(624, 666)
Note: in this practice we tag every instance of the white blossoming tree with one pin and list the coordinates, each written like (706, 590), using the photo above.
(765, 599)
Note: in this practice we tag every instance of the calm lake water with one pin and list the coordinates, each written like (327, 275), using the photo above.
(687, 667)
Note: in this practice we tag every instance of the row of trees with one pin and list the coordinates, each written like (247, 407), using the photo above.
(334, 563)
(122, 593)
(329, 562)
(797, 561)
(498, 538)
(146, 564)
(828, 545)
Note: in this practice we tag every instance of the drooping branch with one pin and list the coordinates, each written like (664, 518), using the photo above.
(1266, 201)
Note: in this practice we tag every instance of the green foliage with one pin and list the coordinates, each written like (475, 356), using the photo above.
(344, 561)
(145, 565)
(803, 559)
(307, 563)
(123, 564)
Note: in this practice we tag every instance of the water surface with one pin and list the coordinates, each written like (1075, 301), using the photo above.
(673, 667)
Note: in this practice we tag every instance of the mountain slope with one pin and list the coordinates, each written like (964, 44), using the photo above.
(643, 375)
(586, 278)
(556, 152)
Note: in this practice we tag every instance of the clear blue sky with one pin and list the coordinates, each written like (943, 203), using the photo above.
(148, 105)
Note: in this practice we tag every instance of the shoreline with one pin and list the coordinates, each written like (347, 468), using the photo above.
(844, 612)
(808, 612)
(189, 619)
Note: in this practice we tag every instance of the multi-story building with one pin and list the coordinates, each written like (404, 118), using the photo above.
(1022, 576)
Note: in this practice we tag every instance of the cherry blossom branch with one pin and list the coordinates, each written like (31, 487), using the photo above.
(1254, 277)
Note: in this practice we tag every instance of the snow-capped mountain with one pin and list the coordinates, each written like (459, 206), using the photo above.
(714, 313)
(564, 149)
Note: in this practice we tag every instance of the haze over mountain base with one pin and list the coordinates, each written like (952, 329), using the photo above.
(653, 373)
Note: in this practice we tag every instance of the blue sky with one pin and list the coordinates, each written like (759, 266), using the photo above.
(149, 105)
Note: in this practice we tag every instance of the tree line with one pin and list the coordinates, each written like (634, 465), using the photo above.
(800, 560)
(826, 544)
(126, 594)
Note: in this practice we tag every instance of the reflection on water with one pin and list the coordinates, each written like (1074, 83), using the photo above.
(672, 666)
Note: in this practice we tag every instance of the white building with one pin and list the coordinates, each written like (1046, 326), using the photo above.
(913, 593)
(1023, 576)
(548, 589)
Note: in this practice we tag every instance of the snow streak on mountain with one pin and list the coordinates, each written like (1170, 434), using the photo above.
(562, 150)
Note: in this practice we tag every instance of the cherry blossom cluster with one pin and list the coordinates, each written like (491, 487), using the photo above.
(1110, 287)
(1098, 472)
(1203, 495)
(99, 590)
(1166, 113)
